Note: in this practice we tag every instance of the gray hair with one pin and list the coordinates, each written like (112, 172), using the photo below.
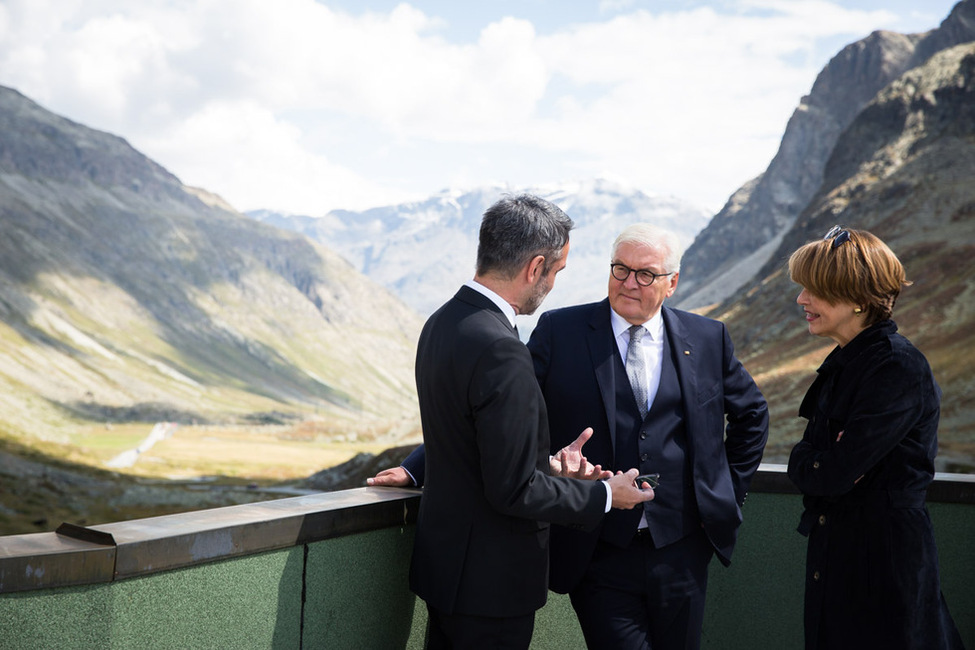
(656, 237)
(516, 229)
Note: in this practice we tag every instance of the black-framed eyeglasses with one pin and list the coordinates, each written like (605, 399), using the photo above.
(839, 234)
(644, 277)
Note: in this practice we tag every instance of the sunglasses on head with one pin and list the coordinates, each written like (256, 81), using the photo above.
(839, 234)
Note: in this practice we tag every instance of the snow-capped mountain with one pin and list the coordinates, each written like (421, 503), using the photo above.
(424, 251)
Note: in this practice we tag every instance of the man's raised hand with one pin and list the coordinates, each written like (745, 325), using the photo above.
(570, 462)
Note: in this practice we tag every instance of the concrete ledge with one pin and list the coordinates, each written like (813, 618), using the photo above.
(143, 546)
(41, 560)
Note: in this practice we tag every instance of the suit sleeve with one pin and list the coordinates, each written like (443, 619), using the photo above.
(415, 464)
(512, 439)
(747, 415)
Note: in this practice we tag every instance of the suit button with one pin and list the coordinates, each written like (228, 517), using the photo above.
(644, 456)
(816, 576)
(816, 464)
(822, 520)
(643, 436)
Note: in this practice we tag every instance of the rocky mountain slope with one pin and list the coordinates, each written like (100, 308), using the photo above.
(903, 169)
(126, 296)
(749, 228)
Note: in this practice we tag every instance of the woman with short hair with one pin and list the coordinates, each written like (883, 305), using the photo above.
(866, 458)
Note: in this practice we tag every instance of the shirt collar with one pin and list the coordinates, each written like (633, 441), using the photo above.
(502, 304)
(655, 326)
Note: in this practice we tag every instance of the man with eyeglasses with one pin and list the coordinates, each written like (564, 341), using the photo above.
(663, 391)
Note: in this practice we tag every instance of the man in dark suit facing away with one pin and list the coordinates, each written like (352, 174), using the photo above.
(480, 558)
(692, 414)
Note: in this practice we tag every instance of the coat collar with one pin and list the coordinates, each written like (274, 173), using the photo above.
(498, 301)
(480, 301)
(840, 357)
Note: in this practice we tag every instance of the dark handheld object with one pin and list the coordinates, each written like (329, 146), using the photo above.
(652, 479)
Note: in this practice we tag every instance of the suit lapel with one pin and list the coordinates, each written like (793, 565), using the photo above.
(603, 352)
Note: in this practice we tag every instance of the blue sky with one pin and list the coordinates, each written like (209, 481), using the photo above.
(306, 106)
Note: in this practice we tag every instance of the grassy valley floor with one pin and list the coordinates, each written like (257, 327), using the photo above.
(82, 481)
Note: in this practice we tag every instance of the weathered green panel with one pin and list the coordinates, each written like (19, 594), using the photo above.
(954, 531)
(67, 618)
(250, 602)
(556, 625)
(757, 601)
(357, 591)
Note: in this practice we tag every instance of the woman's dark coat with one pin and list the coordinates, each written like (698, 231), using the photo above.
(864, 464)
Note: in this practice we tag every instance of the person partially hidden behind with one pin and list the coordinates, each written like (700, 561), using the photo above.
(691, 413)
(866, 458)
(480, 557)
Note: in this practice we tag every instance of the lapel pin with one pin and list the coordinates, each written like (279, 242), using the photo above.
(687, 353)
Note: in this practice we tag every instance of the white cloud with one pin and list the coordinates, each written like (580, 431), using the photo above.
(612, 6)
(228, 138)
(692, 103)
(297, 106)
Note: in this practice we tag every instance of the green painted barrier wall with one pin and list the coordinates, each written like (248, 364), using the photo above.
(250, 602)
(351, 591)
(358, 592)
(756, 603)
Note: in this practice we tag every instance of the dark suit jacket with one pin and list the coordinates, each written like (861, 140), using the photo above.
(574, 352)
(481, 546)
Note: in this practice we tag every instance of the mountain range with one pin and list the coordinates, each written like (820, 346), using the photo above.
(423, 251)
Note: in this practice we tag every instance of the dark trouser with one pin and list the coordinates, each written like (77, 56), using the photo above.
(645, 598)
(462, 631)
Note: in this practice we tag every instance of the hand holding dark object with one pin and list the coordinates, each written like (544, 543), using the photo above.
(626, 495)
(650, 480)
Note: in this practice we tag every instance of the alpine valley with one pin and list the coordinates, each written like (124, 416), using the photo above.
(154, 341)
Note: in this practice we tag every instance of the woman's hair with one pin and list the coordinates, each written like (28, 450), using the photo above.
(853, 266)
